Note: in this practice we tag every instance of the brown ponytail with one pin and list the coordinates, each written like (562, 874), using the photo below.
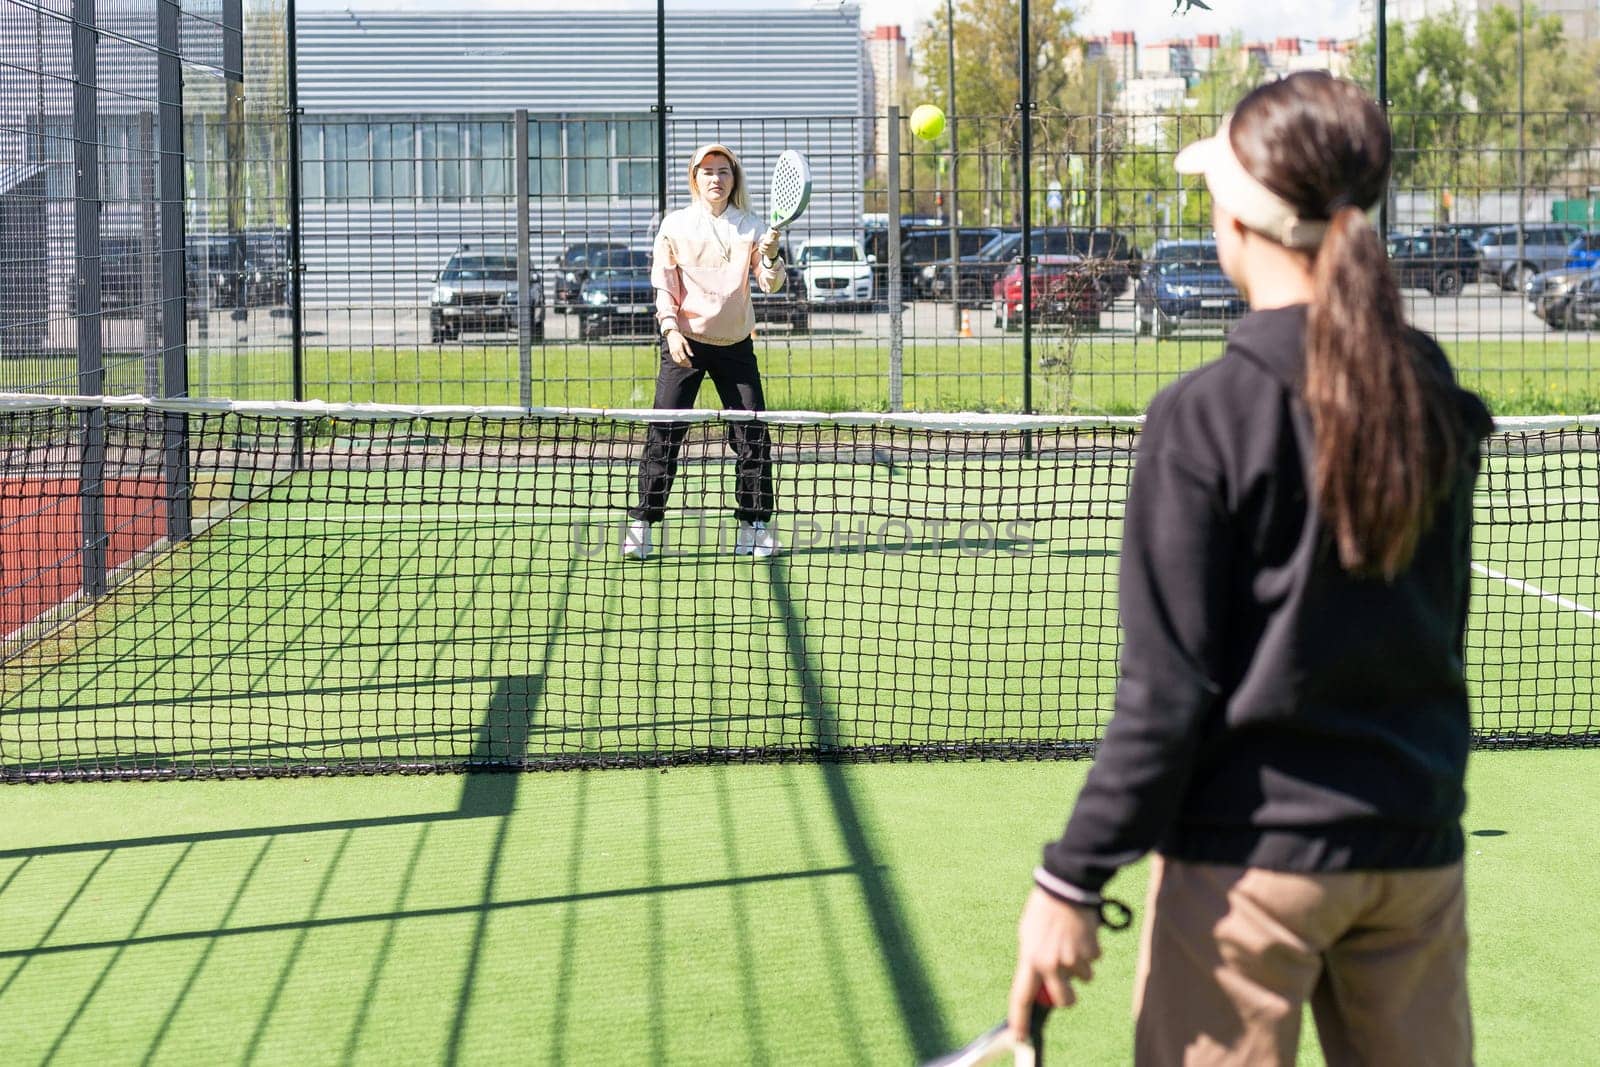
(1384, 449)
(1388, 429)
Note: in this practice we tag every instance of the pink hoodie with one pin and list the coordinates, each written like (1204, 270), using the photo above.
(702, 263)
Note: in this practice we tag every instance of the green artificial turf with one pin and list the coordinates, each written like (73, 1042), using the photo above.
(1077, 374)
(481, 614)
(753, 914)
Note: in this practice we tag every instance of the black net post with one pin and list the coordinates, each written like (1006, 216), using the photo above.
(91, 361)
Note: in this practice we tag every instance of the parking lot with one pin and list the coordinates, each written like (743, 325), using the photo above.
(1479, 312)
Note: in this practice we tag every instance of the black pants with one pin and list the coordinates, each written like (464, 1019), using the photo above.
(733, 371)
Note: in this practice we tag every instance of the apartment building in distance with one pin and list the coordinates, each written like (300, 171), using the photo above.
(1157, 77)
(888, 81)
(1579, 18)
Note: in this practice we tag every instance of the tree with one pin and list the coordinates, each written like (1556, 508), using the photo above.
(1558, 90)
(1453, 100)
(1430, 69)
(988, 86)
(986, 42)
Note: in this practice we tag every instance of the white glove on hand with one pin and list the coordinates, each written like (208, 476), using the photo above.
(768, 246)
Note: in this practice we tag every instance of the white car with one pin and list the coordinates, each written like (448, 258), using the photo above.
(837, 270)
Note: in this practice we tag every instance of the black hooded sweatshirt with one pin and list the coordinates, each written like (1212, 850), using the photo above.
(1274, 710)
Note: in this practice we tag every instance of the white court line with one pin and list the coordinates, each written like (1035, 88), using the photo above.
(1533, 590)
(357, 516)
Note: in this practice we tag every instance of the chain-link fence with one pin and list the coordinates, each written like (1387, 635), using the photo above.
(152, 242)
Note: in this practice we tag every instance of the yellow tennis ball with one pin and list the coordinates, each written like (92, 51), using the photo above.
(927, 121)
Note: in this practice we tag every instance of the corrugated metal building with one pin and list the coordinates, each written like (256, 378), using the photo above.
(408, 135)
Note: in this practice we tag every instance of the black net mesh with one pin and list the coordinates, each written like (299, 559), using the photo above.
(299, 589)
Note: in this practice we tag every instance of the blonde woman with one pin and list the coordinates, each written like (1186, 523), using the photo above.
(704, 255)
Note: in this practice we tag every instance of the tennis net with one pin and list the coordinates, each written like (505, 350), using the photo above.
(221, 588)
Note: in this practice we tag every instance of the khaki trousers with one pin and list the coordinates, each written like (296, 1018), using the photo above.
(1230, 955)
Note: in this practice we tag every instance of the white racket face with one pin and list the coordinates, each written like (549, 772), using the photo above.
(993, 1049)
(790, 190)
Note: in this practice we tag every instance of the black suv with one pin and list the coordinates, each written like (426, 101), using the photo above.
(922, 250)
(572, 268)
(265, 277)
(1439, 264)
(974, 276)
(1106, 253)
(617, 297)
(477, 291)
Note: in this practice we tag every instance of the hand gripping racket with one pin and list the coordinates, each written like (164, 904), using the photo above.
(790, 190)
(997, 1046)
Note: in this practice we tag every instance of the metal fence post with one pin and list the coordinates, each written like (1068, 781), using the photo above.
(295, 266)
(892, 279)
(524, 266)
(1025, 109)
(955, 179)
(174, 296)
(233, 164)
(149, 264)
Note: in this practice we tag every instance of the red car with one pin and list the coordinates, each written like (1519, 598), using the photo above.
(1064, 290)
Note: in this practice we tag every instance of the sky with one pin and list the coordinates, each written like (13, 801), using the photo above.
(1153, 20)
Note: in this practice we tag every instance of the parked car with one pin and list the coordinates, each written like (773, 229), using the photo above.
(971, 277)
(1106, 253)
(1063, 289)
(262, 279)
(477, 292)
(1441, 265)
(1544, 247)
(1472, 231)
(1553, 297)
(1583, 252)
(1111, 258)
(786, 307)
(1581, 308)
(209, 261)
(617, 297)
(571, 270)
(836, 270)
(922, 248)
(1182, 282)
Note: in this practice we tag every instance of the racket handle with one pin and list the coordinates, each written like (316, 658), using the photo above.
(1036, 1019)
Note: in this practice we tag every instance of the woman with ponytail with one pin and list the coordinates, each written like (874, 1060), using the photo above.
(1291, 725)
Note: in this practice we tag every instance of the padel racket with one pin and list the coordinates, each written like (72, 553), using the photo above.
(997, 1046)
(790, 190)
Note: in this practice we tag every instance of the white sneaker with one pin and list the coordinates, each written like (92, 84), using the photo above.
(755, 539)
(636, 542)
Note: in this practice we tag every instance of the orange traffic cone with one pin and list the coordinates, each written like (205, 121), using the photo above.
(966, 323)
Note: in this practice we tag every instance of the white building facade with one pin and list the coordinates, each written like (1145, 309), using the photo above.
(409, 127)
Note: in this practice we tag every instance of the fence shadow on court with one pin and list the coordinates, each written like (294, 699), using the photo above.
(913, 991)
